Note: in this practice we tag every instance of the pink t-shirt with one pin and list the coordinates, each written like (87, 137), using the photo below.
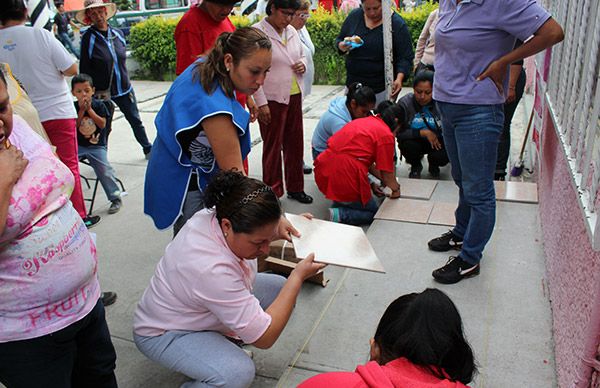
(200, 285)
(48, 261)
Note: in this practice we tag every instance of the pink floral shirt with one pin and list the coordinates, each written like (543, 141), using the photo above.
(48, 260)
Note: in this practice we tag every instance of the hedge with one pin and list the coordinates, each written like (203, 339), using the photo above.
(153, 45)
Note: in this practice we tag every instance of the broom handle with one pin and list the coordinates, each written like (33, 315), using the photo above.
(526, 134)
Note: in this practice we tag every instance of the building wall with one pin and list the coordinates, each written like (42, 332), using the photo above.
(573, 268)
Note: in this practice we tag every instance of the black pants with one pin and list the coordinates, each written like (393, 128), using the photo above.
(509, 112)
(413, 150)
(128, 106)
(80, 355)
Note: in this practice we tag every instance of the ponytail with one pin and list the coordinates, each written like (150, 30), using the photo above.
(392, 114)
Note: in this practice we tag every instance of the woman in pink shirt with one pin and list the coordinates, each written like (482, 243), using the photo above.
(280, 102)
(52, 326)
(206, 295)
(419, 343)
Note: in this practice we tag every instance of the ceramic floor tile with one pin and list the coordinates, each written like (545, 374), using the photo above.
(417, 188)
(407, 210)
(516, 191)
(442, 214)
(335, 244)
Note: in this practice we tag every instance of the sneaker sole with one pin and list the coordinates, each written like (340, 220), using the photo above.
(471, 274)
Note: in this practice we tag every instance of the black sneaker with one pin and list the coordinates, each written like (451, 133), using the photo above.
(434, 171)
(108, 298)
(300, 196)
(415, 172)
(455, 270)
(445, 242)
(91, 221)
(115, 206)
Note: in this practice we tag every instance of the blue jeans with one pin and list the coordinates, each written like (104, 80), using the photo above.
(354, 213)
(208, 357)
(471, 135)
(98, 158)
(128, 105)
(66, 41)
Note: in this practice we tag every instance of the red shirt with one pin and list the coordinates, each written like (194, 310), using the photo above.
(399, 373)
(195, 34)
(341, 170)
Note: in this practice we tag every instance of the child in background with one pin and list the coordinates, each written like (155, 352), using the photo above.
(92, 136)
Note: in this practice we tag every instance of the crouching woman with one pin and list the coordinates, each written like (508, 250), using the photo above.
(206, 294)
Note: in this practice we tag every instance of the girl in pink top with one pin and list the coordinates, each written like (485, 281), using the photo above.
(419, 343)
(206, 293)
(52, 326)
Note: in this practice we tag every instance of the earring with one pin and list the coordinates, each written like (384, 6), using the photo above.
(225, 234)
(227, 69)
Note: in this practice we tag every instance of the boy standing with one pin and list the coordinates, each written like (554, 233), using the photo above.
(92, 136)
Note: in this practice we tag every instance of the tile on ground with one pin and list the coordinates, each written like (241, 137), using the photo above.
(442, 214)
(406, 210)
(516, 191)
(417, 188)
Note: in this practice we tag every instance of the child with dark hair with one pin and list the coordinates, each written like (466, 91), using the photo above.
(206, 295)
(419, 343)
(92, 136)
(361, 147)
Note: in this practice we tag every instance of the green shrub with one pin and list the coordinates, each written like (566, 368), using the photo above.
(323, 28)
(153, 47)
(415, 19)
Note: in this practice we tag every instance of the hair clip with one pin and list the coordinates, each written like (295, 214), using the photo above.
(250, 197)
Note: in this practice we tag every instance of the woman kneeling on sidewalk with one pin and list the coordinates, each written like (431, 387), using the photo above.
(206, 294)
(361, 147)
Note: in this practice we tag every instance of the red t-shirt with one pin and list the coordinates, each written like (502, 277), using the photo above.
(399, 373)
(195, 34)
(341, 170)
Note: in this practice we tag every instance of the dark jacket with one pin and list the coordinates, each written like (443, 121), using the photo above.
(365, 64)
(413, 108)
(98, 60)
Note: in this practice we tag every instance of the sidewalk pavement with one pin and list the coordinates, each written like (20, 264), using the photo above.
(505, 310)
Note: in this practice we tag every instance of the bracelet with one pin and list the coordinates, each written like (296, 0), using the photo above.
(396, 191)
(511, 87)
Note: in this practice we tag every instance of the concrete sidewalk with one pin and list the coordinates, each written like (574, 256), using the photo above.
(505, 310)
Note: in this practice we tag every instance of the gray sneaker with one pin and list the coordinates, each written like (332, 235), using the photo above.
(115, 206)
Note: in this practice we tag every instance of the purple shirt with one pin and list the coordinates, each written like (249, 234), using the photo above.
(473, 34)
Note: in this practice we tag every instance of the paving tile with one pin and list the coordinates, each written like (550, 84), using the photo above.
(442, 214)
(407, 210)
(417, 188)
(516, 191)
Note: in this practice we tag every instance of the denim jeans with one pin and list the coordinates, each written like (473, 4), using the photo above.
(128, 105)
(80, 355)
(471, 135)
(98, 158)
(354, 213)
(208, 357)
(66, 41)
